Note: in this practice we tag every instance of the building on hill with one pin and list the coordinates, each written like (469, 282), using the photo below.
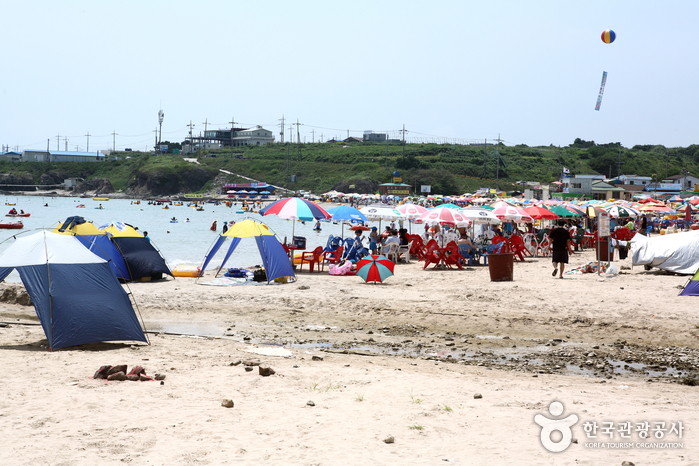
(370, 136)
(235, 137)
(687, 182)
(10, 156)
(61, 156)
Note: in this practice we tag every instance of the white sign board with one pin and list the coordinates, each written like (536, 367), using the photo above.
(425, 188)
(603, 225)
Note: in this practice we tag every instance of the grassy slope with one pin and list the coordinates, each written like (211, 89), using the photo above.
(448, 169)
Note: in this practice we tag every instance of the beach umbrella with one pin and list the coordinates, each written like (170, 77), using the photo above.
(689, 207)
(563, 212)
(505, 211)
(616, 211)
(346, 214)
(539, 213)
(375, 268)
(480, 215)
(295, 208)
(411, 211)
(444, 216)
(381, 212)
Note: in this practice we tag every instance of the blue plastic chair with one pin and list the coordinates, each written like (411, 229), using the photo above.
(467, 252)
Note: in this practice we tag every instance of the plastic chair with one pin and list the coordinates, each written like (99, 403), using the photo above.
(311, 258)
(545, 246)
(332, 257)
(417, 247)
(431, 255)
(531, 244)
(453, 257)
(516, 245)
(467, 254)
(392, 252)
(405, 250)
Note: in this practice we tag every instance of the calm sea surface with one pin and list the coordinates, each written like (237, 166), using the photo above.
(181, 243)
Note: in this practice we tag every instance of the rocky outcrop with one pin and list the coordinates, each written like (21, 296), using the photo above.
(12, 182)
(98, 185)
(168, 182)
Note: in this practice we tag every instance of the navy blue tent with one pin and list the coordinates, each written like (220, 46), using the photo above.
(75, 293)
(274, 258)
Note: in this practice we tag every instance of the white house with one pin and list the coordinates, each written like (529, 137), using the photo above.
(687, 182)
(255, 136)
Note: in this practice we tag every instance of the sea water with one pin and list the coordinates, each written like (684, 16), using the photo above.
(181, 243)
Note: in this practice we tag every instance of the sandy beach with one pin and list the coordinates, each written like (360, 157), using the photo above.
(451, 366)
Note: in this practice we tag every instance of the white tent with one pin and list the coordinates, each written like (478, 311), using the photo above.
(678, 252)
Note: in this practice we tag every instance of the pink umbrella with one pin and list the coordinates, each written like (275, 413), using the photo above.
(411, 210)
(505, 211)
(444, 216)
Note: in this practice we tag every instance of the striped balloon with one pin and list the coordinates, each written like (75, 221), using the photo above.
(608, 36)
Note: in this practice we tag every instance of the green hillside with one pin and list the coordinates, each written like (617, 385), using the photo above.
(448, 169)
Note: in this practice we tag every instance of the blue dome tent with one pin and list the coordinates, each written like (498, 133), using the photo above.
(75, 293)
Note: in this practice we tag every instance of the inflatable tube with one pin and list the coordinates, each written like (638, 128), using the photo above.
(186, 271)
(239, 212)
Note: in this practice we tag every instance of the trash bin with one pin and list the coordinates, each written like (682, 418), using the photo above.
(603, 252)
(501, 266)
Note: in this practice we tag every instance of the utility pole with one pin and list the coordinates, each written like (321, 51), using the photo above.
(313, 136)
(281, 131)
(58, 142)
(403, 154)
(155, 145)
(618, 165)
(191, 140)
(298, 140)
(667, 163)
(232, 122)
(386, 149)
(485, 155)
(114, 135)
(66, 141)
(206, 125)
(88, 141)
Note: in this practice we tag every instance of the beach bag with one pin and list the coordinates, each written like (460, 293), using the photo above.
(260, 275)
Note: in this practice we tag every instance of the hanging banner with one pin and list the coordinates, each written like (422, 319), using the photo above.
(601, 90)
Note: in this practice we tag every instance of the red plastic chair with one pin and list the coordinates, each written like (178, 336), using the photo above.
(453, 256)
(418, 246)
(312, 258)
(516, 245)
(501, 239)
(332, 257)
(431, 253)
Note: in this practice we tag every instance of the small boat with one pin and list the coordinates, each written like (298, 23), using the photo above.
(8, 203)
(178, 204)
(100, 198)
(12, 225)
(18, 215)
(80, 206)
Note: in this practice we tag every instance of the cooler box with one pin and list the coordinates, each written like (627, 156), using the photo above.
(299, 242)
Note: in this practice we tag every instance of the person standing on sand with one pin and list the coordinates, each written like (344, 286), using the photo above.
(560, 237)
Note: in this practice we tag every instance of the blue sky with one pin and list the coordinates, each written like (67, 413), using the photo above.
(527, 72)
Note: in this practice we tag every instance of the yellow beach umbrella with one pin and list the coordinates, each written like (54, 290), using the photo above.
(248, 229)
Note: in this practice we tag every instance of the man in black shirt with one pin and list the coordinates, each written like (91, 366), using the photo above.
(560, 247)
